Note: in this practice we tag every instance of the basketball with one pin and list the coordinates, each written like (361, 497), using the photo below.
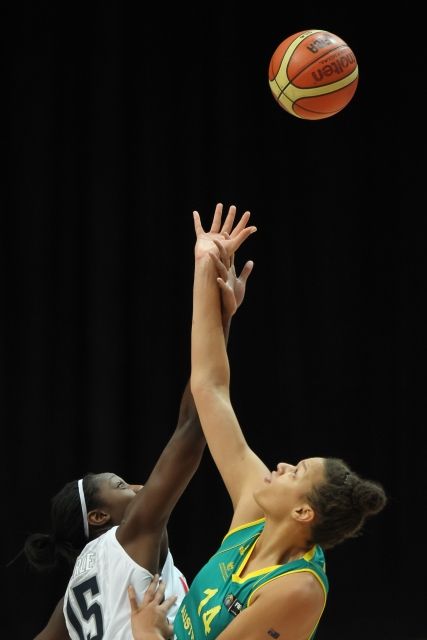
(313, 74)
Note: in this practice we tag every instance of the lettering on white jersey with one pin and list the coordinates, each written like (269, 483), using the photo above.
(84, 563)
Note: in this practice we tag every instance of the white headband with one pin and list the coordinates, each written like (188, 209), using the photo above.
(83, 506)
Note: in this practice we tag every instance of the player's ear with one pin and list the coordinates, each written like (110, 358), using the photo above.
(304, 513)
(98, 517)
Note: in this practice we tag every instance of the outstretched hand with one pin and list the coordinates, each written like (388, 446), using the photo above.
(149, 619)
(230, 238)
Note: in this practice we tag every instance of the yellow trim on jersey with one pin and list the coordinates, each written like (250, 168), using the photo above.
(288, 573)
(310, 553)
(242, 526)
(308, 556)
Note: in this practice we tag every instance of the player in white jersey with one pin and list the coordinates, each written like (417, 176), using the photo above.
(116, 532)
(96, 603)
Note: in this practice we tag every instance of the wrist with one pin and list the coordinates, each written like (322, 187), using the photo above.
(204, 247)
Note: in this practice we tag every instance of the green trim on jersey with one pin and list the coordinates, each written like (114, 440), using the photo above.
(218, 592)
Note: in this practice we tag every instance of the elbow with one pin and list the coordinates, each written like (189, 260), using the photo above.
(197, 384)
(201, 386)
(207, 393)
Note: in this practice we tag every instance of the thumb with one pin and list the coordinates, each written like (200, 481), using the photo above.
(246, 271)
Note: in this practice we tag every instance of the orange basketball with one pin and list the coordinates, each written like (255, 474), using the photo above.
(313, 74)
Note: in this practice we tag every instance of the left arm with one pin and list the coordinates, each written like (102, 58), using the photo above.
(56, 628)
(290, 607)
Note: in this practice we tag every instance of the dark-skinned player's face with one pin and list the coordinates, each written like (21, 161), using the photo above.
(115, 495)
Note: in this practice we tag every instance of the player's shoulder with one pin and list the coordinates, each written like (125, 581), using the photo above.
(298, 588)
(292, 602)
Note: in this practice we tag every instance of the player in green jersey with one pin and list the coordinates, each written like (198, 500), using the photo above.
(267, 579)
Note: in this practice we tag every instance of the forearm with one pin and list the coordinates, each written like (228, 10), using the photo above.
(187, 409)
(188, 416)
(226, 324)
(188, 441)
(209, 361)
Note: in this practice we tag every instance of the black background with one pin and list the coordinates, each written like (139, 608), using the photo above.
(121, 118)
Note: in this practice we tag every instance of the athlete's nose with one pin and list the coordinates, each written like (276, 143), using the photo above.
(136, 487)
(283, 467)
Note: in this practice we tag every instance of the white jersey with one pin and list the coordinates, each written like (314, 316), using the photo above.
(96, 603)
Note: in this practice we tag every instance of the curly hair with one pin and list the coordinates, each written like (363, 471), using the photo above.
(342, 504)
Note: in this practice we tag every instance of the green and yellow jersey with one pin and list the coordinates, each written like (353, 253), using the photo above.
(218, 592)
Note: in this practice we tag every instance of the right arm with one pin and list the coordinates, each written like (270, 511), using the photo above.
(241, 469)
(144, 526)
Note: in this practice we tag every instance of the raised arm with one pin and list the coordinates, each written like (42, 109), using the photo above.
(150, 510)
(238, 465)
